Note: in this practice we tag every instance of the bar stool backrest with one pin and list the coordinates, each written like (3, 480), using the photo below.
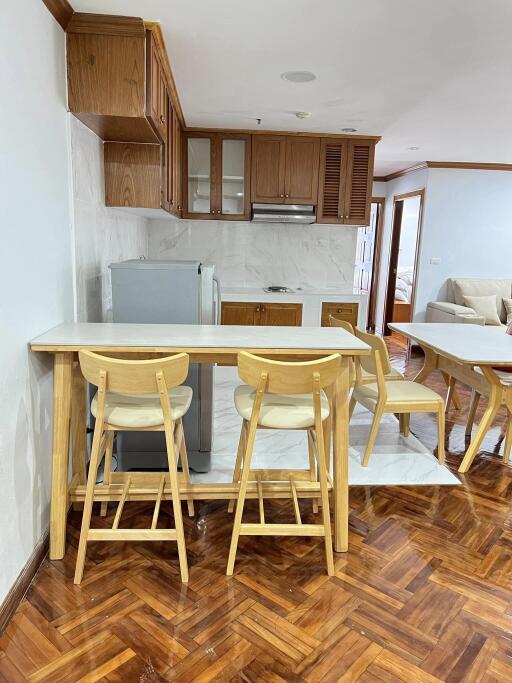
(336, 322)
(288, 377)
(378, 356)
(133, 377)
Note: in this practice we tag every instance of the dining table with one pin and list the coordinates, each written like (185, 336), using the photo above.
(473, 355)
(203, 344)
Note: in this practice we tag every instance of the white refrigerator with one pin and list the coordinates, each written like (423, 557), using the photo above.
(152, 291)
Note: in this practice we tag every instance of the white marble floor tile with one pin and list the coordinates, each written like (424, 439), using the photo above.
(395, 460)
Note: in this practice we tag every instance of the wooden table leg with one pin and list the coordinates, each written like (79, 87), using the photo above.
(429, 364)
(452, 396)
(62, 381)
(495, 401)
(340, 456)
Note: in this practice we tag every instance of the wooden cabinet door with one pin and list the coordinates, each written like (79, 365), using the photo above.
(240, 313)
(199, 175)
(232, 176)
(331, 197)
(281, 314)
(358, 192)
(301, 176)
(268, 169)
(177, 165)
(156, 88)
(342, 311)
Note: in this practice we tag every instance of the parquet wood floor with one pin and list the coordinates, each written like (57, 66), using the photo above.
(424, 595)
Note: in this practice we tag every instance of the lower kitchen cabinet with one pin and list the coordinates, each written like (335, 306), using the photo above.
(254, 313)
(342, 311)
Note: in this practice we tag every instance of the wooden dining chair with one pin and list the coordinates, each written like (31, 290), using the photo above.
(385, 396)
(136, 395)
(283, 395)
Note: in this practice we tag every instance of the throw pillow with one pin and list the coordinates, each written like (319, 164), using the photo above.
(486, 306)
(508, 307)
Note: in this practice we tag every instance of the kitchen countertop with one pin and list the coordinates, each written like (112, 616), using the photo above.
(311, 300)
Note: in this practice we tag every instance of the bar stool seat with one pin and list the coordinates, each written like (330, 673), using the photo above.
(145, 410)
(280, 411)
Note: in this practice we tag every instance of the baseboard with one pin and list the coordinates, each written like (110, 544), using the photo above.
(22, 583)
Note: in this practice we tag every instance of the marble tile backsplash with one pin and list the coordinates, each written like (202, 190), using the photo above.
(256, 254)
(102, 235)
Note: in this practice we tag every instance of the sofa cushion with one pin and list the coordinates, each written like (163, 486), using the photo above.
(485, 306)
(508, 307)
(448, 307)
(502, 287)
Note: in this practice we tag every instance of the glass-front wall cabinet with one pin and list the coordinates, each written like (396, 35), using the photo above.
(233, 176)
(199, 181)
(218, 176)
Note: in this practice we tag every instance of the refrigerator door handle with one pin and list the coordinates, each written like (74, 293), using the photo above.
(217, 302)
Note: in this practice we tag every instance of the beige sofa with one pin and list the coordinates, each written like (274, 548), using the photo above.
(454, 311)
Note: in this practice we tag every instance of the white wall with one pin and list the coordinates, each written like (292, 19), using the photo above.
(102, 235)
(417, 180)
(467, 223)
(255, 254)
(36, 274)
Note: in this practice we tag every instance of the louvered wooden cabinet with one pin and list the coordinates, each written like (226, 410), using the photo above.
(345, 187)
(284, 169)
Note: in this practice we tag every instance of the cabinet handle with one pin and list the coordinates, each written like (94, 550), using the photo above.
(281, 195)
(287, 195)
(212, 211)
(263, 309)
(258, 310)
(218, 211)
(162, 118)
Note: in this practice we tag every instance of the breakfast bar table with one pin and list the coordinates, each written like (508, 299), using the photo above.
(470, 354)
(204, 344)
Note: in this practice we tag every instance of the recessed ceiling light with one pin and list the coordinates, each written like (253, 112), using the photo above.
(298, 76)
(413, 149)
(349, 130)
(303, 114)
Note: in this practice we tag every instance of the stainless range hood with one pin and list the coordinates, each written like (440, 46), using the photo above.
(283, 213)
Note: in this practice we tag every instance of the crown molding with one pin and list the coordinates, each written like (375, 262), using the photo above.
(61, 10)
(475, 166)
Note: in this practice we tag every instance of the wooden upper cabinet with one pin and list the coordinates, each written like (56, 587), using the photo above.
(268, 169)
(345, 186)
(358, 193)
(156, 88)
(301, 178)
(217, 176)
(284, 169)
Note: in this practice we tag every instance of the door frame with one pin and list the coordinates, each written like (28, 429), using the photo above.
(377, 254)
(396, 224)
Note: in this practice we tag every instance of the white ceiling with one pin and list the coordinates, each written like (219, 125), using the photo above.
(433, 74)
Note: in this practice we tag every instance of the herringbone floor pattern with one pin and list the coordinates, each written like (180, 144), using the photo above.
(425, 593)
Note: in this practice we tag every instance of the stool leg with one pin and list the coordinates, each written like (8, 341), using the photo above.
(247, 457)
(322, 476)
(377, 416)
(89, 497)
(184, 467)
(312, 467)
(440, 435)
(107, 469)
(176, 502)
(238, 463)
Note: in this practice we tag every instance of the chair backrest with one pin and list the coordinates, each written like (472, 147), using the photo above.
(288, 377)
(377, 344)
(133, 376)
(336, 322)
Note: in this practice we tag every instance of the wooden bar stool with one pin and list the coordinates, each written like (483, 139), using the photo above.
(283, 395)
(140, 395)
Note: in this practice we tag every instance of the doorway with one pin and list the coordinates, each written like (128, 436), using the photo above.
(366, 272)
(405, 239)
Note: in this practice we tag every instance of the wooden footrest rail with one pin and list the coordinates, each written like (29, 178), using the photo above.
(282, 530)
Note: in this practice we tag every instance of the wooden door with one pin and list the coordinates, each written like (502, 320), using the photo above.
(333, 164)
(358, 189)
(240, 313)
(281, 314)
(268, 169)
(301, 175)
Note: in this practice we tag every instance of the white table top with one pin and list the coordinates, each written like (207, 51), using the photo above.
(471, 344)
(81, 335)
